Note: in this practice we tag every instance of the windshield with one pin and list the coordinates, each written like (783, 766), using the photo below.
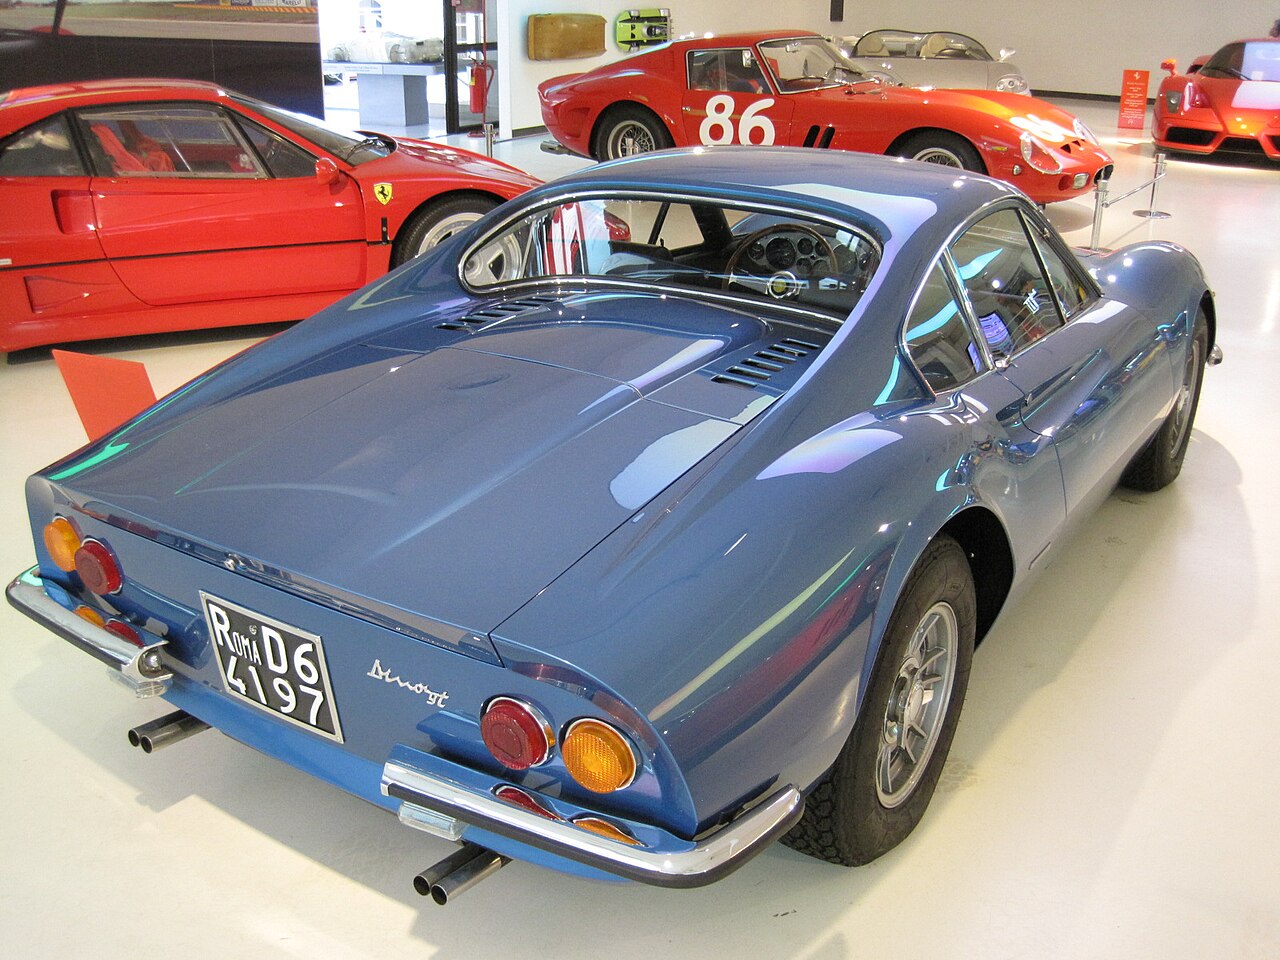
(354, 148)
(1257, 60)
(808, 63)
(928, 46)
(693, 245)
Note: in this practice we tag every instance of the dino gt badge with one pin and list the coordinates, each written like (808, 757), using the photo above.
(383, 192)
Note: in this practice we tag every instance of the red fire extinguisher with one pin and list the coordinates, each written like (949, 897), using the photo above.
(481, 76)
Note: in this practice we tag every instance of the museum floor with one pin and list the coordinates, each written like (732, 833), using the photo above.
(1111, 793)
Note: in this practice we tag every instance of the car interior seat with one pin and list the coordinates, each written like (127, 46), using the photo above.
(122, 161)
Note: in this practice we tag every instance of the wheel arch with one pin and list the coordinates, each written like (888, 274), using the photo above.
(985, 543)
(1211, 316)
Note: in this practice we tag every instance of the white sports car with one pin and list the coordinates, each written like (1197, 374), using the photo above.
(934, 59)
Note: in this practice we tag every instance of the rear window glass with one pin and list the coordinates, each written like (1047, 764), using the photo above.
(700, 245)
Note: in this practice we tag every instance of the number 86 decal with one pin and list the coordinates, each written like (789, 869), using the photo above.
(717, 127)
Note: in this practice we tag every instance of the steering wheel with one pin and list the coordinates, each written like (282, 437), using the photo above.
(776, 278)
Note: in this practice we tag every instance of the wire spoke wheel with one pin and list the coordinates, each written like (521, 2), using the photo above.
(629, 139)
(940, 156)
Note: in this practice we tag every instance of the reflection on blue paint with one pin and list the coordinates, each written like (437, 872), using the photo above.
(830, 451)
(664, 460)
(106, 453)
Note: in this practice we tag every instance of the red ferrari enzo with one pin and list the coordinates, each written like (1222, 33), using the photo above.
(796, 90)
(1228, 102)
(142, 206)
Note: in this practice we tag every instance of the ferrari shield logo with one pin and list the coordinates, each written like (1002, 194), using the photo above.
(383, 192)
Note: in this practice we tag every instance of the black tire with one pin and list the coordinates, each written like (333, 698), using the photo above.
(626, 130)
(436, 222)
(943, 148)
(1160, 461)
(850, 817)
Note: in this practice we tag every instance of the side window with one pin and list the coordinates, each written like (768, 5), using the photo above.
(1071, 290)
(43, 149)
(735, 71)
(938, 337)
(283, 159)
(1010, 295)
(168, 140)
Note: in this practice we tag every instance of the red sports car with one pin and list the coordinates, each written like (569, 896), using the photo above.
(1228, 102)
(141, 206)
(797, 90)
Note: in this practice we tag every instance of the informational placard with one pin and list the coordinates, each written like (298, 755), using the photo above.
(1133, 99)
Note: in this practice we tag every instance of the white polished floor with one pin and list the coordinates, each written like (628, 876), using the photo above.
(1112, 791)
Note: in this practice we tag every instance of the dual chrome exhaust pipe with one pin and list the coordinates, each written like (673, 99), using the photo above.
(455, 874)
(165, 730)
(458, 872)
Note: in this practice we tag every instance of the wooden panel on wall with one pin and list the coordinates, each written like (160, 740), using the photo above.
(565, 36)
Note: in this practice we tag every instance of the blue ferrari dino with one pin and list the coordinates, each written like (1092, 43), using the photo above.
(649, 520)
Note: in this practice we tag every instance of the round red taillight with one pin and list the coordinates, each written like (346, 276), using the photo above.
(98, 568)
(515, 733)
(126, 631)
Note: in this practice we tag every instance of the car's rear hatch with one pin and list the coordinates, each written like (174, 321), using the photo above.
(439, 476)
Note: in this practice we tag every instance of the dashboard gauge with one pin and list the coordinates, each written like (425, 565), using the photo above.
(780, 252)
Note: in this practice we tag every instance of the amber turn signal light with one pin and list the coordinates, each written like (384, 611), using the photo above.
(598, 756)
(62, 541)
(604, 828)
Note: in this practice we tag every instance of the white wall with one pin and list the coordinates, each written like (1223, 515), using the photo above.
(1080, 46)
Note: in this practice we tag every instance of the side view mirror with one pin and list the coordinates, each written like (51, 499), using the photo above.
(1170, 64)
(327, 172)
(1005, 54)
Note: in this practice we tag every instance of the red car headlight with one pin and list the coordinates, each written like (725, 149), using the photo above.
(1083, 132)
(1039, 156)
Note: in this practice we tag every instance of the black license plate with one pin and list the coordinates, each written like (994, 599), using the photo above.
(274, 666)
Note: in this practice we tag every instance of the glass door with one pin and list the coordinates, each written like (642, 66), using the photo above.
(471, 61)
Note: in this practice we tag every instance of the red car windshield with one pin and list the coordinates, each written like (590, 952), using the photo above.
(355, 149)
(808, 63)
(1256, 60)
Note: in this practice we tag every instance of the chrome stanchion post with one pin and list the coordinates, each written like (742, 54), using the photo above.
(1152, 213)
(1099, 204)
(488, 140)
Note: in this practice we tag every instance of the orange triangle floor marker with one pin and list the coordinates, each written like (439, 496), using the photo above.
(106, 391)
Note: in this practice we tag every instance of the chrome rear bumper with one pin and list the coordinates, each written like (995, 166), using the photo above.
(664, 859)
(140, 667)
